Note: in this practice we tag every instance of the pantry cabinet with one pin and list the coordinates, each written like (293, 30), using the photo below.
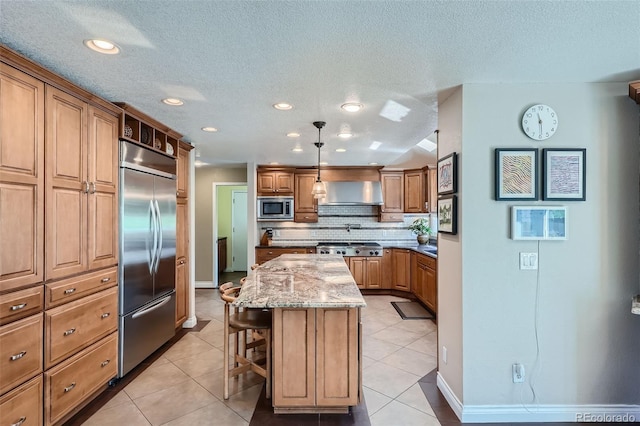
(59, 240)
(182, 234)
(81, 180)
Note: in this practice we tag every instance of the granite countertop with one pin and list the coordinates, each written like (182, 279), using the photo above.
(301, 281)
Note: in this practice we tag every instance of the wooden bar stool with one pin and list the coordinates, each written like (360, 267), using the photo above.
(238, 322)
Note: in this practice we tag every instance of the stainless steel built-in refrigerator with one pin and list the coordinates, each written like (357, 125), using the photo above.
(147, 253)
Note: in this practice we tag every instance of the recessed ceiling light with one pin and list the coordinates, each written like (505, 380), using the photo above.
(351, 107)
(345, 135)
(209, 129)
(102, 46)
(375, 145)
(373, 163)
(293, 135)
(283, 106)
(172, 101)
(341, 150)
(297, 149)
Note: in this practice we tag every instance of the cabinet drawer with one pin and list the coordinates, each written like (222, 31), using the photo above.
(23, 406)
(20, 304)
(20, 351)
(64, 291)
(77, 324)
(70, 383)
(305, 217)
(427, 261)
(391, 217)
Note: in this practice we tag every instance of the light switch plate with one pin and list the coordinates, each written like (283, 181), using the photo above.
(528, 260)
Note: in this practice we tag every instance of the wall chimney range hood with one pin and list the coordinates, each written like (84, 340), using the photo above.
(357, 193)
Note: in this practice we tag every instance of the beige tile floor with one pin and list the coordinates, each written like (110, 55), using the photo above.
(184, 386)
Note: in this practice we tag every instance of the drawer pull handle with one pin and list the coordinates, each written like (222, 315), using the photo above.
(69, 332)
(17, 356)
(105, 280)
(71, 386)
(18, 307)
(105, 363)
(69, 290)
(270, 252)
(105, 315)
(19, 422)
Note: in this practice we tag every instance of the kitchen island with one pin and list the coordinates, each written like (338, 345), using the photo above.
(317, 345)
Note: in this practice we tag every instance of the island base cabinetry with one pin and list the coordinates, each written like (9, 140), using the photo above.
(316, 362)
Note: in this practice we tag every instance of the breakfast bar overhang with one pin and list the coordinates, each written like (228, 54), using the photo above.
(317, 335)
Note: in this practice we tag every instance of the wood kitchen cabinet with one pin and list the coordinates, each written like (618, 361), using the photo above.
(366, 271)
(316, 354)
(21, 179)
(264, 254)
(305, 206)
(414, 191)
(81, 182)
(275, 182)
(424, 280)
(392, 183)
(401, 260)
(183, 257)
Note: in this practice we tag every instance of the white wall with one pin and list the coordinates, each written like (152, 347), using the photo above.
(450, 255)
(589, 342)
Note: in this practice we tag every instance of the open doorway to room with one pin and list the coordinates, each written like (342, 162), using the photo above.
(229, 231)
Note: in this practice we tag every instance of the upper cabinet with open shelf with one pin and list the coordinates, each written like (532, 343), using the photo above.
(138, 127)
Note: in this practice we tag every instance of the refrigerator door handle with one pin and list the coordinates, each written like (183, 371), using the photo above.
(159, 231)
(152, 308)
(154, 232)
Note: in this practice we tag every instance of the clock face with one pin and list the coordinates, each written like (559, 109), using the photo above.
(540, 122)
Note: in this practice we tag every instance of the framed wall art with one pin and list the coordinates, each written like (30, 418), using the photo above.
(538, 223)
(516, 176)
(564, 174)
(448, 174)
(448, 214)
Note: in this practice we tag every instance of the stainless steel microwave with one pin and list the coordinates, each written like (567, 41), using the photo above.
(275, 208)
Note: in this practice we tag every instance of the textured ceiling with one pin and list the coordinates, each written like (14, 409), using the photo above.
(231, 60)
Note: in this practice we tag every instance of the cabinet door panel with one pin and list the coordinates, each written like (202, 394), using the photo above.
(294, 364)
(392, 192)
(413, 192)
(182, 271)
(430, 291)
(103, 230)
(21, 179)
(304, 201)
(374, 273)
(183, 173)
(65, 219)
(337, 360)
(358, 271)
(401, 269)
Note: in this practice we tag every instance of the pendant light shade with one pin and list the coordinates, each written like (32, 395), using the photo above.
(319, 190)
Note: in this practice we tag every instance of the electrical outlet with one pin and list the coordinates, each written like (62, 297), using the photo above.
(528, 260)
(444, 354)
(517, 371)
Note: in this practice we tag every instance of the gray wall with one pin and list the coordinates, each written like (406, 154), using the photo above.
(205, 177)
(589, 343)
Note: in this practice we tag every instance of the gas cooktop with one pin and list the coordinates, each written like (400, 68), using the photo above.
(360, 248)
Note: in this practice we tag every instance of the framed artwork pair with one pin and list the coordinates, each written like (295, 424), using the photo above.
(447, 172)
(563, 174)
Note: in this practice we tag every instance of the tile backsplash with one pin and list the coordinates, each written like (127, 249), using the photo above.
(345, 223)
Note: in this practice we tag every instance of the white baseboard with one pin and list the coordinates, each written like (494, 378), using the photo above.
(617, 413)
(190, 322)
(204, 284)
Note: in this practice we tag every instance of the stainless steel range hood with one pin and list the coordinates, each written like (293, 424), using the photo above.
(357, 193)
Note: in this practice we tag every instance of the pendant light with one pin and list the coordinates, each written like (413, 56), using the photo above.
(319, 190)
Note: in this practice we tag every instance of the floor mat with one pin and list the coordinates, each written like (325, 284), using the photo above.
(411, 310)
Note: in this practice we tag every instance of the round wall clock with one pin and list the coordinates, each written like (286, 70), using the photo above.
(539, 122)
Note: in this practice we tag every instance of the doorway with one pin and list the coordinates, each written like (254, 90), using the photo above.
(226, 215)
(239, 230)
